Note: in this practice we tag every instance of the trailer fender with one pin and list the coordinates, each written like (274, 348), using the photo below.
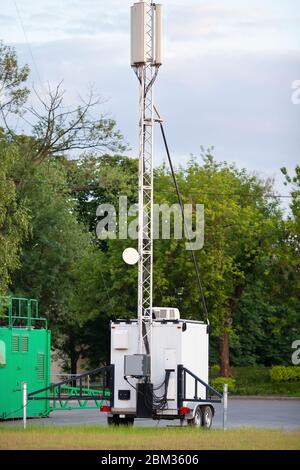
(193, 406)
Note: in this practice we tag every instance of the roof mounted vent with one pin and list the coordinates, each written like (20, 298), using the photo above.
(163, 313)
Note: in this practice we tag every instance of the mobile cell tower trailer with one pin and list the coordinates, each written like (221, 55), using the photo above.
(160, 361)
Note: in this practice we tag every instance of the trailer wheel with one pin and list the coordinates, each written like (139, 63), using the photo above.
(113, 420)
(128, 421)
(196, 422)
(207, 417)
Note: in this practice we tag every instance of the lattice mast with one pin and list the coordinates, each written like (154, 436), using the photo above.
(145, 60)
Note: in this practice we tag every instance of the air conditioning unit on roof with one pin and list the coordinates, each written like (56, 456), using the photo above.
(163, 313)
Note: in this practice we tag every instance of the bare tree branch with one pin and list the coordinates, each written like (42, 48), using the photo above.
(56, 128)
(58, 131)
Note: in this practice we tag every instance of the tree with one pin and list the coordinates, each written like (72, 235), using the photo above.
(242, 230)
(108, 291)
(293, 224)
(101, 179)
(249, 263)
(106, 285)
(13, 91)
(78, 285)
(241, 225)
(57, 129)
(267, 315)
(14, 216)
(56, 244)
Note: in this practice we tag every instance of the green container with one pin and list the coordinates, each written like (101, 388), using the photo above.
(24, 357)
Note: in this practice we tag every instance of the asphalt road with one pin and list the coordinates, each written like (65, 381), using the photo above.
(284, 414)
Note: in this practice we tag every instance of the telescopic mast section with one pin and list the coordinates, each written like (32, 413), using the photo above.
(145, 60)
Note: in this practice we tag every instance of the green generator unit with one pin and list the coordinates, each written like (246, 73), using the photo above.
(25, 343)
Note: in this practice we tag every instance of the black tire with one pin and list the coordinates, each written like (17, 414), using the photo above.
(128, 421)
(117, 421)
(113, 420)
(207, 417)
(196, 422)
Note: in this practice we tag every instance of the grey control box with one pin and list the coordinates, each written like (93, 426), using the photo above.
(137, 365)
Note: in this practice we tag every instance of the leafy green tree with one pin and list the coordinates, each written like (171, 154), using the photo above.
(266, 322)
(241, 226)
(96, 180)
(108, 291)
(14, 217)
(13, 90)
(56, 244)
(77, 283)
(249, 263)
(107, 285)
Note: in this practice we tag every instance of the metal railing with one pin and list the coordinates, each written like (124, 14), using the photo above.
(19, 312)
(73, 390)
(57, 378)
(182, 374)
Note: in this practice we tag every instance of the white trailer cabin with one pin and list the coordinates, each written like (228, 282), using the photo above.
(176, 345)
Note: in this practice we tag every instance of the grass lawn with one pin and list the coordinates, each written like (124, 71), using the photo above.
(103, 438)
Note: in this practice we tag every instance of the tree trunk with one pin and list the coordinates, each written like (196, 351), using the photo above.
(74, 360)
(225, 369)
(224, 354)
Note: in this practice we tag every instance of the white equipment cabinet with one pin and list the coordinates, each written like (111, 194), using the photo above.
(183, 343)
(175, 344)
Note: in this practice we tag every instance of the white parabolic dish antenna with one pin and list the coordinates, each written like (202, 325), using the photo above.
(130, 256)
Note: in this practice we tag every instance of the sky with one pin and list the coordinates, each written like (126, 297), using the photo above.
(226, 79)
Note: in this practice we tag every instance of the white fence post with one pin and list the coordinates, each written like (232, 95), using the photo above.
(24, 390)
(225, 397)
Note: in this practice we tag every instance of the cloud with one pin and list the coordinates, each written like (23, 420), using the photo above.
(209, 25)
(228, 69)
(6, 20)
(241, 103)
(43, 18)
